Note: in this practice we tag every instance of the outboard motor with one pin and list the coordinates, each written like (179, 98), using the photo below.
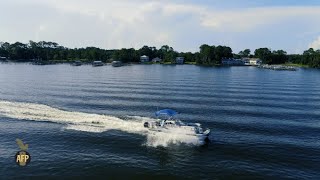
(206, 132)
(146, 125)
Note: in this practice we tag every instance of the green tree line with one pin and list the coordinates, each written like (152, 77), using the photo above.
(207, 54)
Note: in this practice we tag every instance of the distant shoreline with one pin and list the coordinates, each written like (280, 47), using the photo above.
(43, 52)
(86, 62)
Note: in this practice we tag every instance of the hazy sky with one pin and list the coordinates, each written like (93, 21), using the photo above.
(292, 25)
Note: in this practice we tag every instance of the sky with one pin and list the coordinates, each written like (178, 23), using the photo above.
(291, 25)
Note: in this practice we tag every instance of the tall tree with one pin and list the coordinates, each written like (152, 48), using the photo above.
(279, 57)
(264, 54)
(244, 53)
(207, 54)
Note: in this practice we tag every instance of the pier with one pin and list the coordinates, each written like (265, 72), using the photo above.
(277, 67)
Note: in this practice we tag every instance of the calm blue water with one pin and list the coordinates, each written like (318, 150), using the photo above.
(265, 124)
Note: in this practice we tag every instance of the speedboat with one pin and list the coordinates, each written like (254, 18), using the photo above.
(168, 123)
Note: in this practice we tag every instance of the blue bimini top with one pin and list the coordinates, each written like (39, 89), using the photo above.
(168, 112)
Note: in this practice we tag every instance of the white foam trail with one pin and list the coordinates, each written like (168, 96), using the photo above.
(172, 136)
(95, 122)
(85, 128)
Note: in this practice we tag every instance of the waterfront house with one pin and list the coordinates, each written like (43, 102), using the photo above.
(144, 58)
(179, 60)
(156, 60)
(255, 61)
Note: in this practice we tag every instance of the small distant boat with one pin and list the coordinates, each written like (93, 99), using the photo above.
(97, 63)
(40, 63)
(77, 63)
(4, 59)
(163, 125)
(116, 63)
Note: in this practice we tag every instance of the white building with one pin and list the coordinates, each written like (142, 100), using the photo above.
(252, 61)
(255, 61)
(144, 58)
(179, 60)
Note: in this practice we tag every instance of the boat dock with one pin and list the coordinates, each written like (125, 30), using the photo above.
(278, 67)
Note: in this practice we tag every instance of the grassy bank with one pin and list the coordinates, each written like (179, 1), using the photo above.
(296, 65)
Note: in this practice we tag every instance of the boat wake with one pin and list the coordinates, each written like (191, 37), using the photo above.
(96, 123)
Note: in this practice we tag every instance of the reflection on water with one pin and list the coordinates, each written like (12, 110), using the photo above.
(86, 121)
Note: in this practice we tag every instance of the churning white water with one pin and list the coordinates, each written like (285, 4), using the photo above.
(96, 123)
